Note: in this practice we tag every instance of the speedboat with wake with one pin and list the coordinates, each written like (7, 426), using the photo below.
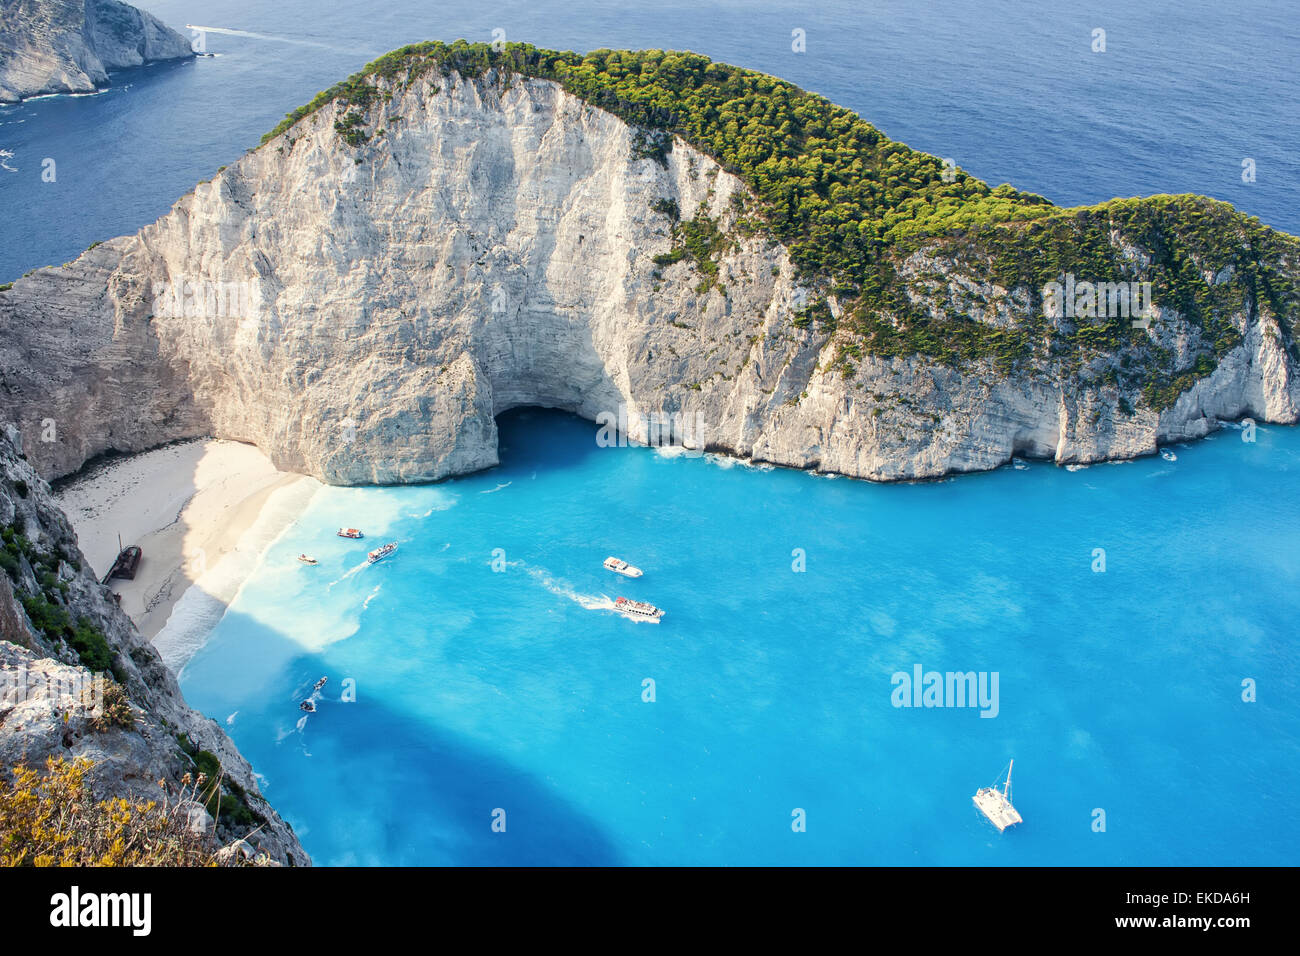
(619, 566)
(639, 609)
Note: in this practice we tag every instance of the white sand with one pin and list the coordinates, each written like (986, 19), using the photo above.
(202, 512)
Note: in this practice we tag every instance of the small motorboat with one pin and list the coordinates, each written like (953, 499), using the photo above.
(1168, 455)
(306, 559)
(320, 683)
(350, 533)
(308, 705)
(638, 609)
(381, 552)
(619, 566)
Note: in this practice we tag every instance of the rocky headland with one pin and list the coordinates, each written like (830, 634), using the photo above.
(69, 46)
(457, 232)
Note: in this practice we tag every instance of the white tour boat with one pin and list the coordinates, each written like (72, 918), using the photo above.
(638, 609)
(619, 566)
(996, 804)
(381, 552)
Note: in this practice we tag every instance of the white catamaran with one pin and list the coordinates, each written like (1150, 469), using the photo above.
(996, 804)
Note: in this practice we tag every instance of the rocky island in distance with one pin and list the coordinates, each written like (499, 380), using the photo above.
(69, 46)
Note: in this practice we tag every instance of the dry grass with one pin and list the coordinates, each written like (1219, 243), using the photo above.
(51, 819)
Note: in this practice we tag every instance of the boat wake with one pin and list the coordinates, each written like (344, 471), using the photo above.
(560, 588)
(348, 573)
(370, 597)
(297, 41)
(283, 735)
(497, 488)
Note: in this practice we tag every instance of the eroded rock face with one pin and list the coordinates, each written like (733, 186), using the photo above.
(40, 717)
(362, 312)
(68, 46)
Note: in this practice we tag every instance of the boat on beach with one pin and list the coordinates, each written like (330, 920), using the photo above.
(350, 533)
(996, 804)
(381, 552)
(619, 566)
(125, 564)
(638, 609)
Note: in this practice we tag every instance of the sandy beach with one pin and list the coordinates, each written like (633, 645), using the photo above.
(202, 512)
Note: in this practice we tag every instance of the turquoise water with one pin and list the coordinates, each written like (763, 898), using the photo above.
(518, 689)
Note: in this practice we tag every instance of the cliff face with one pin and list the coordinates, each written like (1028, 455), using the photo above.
(361, 296)
(53, 617)
(68, 46)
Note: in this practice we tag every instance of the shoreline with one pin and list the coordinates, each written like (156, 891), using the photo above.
(203, 512)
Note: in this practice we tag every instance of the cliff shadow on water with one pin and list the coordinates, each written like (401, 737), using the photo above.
(416, 793)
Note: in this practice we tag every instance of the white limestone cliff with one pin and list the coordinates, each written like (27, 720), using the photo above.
(361, 313)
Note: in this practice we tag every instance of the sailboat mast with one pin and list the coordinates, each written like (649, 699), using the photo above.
(1007, 789)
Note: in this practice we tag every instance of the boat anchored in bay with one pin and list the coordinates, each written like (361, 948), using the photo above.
(350, 533)
(996, 804)
(619, 566)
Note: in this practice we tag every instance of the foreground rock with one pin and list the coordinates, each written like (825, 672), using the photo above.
(69, 46)
(362, 295)
(54, 618)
